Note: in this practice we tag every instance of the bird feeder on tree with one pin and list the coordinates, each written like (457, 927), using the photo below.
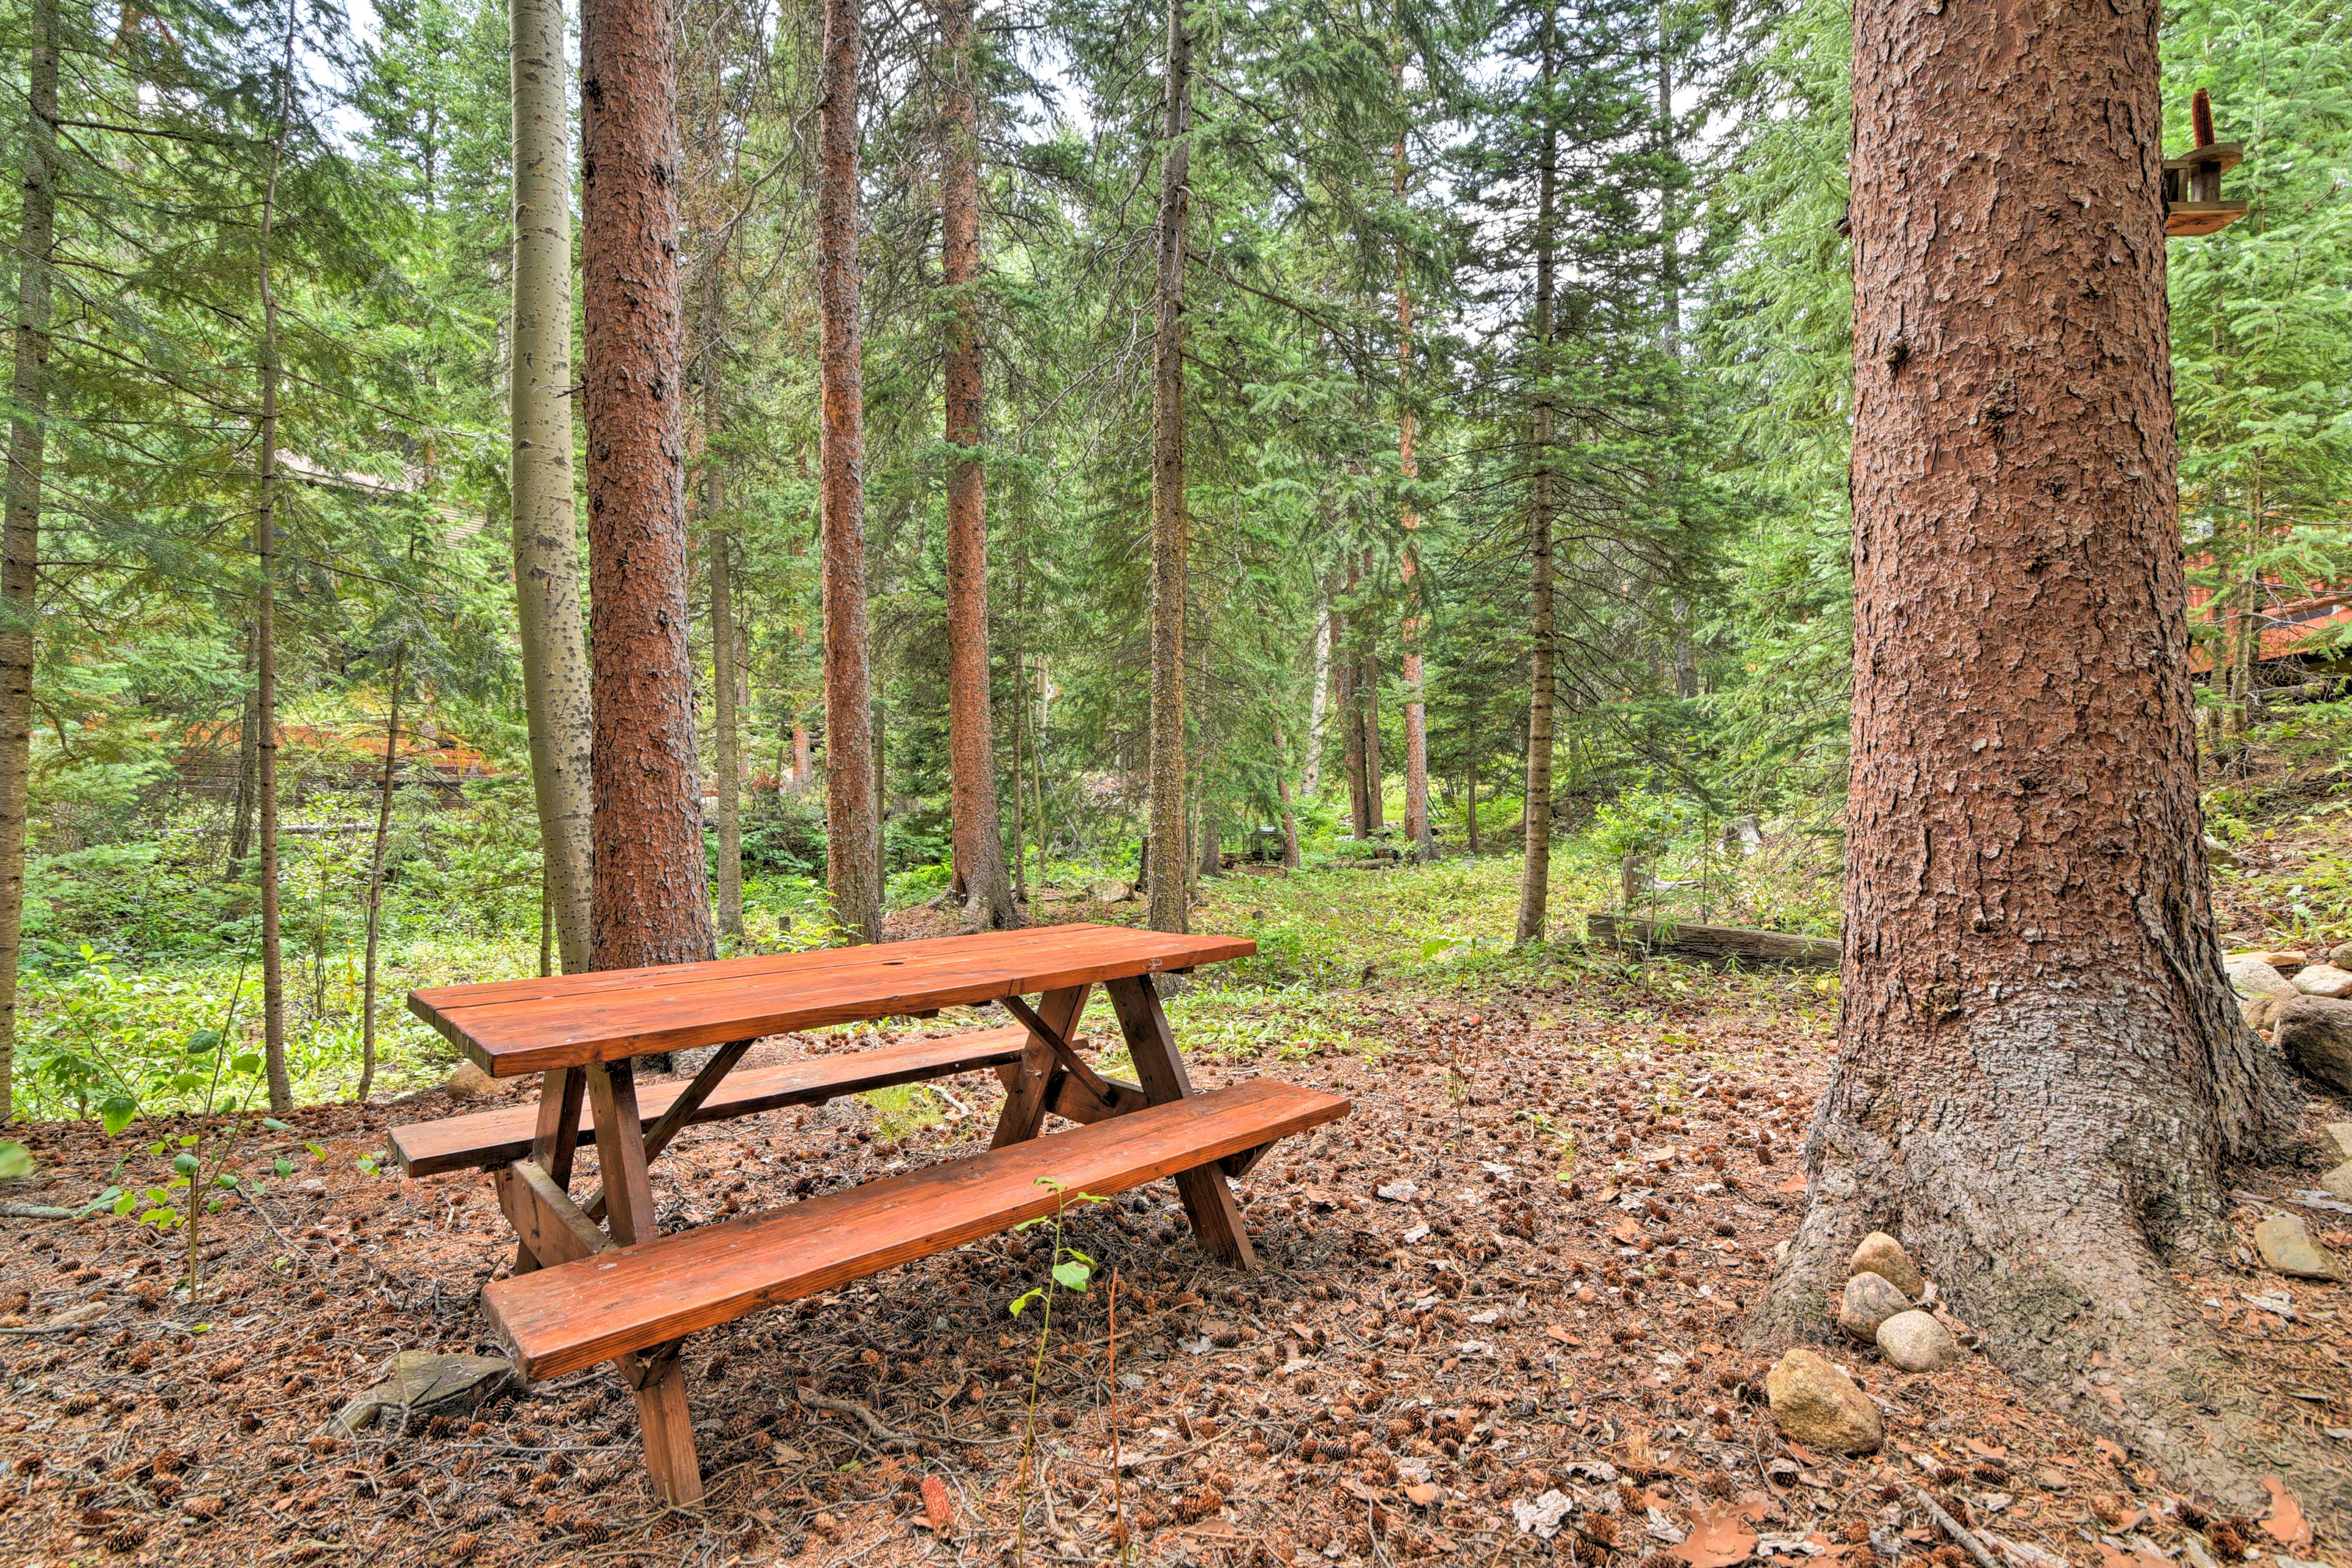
(2192, 183)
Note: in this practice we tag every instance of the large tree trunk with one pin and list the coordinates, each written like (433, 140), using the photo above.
(852, 839)
(650, 903)
(1535, 875)
(1368, 699)
(2040, 1073)
(375, 880)
(979, 840)
(1420, 840)
(265, 613)
(1170, 525)
(1351, 710)
(548, 609)
(20, 535)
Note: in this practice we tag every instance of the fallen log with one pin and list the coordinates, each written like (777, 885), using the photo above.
(1605, 930)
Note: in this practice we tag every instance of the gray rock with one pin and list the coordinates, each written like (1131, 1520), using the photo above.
(1869, 1300)
(1818, 1405)
(417, 1383)
(2337, 1183)
(1882, 1255)
(1916, 1341)
(2340, 1132)
(2322, 980)
(2254, 974)
(2315, 1034)
(2287, 1249)
(1111, 891)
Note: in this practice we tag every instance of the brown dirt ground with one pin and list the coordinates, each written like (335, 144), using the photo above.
(1506, 1330)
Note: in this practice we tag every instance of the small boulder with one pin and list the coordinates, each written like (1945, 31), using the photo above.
(466, 1081)
(2340, 1134)
(2315, 1034)
(1111, 891)
(1820, 1407)
(2261, 1013)
(417, 1383)
(1869, 1300)
(2254, 974)
(1916, 1341)
(2287, 1249)
(2322, 980)
(1882, 1255)
(2337, 1183)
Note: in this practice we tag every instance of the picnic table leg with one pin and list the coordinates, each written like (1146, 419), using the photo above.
(1040, 1072)
(658, 1378)
(550, 1146)
(1208, 1200)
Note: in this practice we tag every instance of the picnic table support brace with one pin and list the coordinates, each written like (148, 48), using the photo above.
(656, 1378)
(1039, 1074)
(560, 1093)
(1207, 1201)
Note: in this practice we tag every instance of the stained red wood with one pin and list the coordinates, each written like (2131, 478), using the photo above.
(511, 1027)
(573, 1315)
(493, 1138)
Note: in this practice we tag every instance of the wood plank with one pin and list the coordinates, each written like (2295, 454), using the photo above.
(577, 1314)
(553, 1229)
(700, 1005)
(493, 1138)
(1208, 1199)
(1608, 929)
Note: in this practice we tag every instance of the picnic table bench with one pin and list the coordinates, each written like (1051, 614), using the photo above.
(582, 1292)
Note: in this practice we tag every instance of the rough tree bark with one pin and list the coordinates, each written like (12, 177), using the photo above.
(650, 904)
(1171, 526)
(2040, 1073)
(1368, 699)
(979, 839)
(265, 608)
(1535, 875)
(20, 535)
(851, 867)
(375, 876)
(548, 608)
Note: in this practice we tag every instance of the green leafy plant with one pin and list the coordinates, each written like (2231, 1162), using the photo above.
(1067, 1268)
(200, 1179)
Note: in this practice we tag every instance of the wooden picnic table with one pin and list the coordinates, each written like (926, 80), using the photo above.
(582, 1291)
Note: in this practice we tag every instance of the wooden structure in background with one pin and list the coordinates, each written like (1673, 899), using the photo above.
(2192, 182)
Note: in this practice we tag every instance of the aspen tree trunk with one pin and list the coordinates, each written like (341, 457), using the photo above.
(265, 616)
(2041, 1075)
(375, 880)
(20, 534)
(851, 822)
(1422, 839)
(650, 904)
(1535, 875)
(978, 839)
(546, 544)
(728, 742)
(1169, 904)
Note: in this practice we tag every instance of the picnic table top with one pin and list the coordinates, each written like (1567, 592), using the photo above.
(516, 1027)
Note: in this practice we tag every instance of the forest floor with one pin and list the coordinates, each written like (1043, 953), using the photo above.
(1530, 1348)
